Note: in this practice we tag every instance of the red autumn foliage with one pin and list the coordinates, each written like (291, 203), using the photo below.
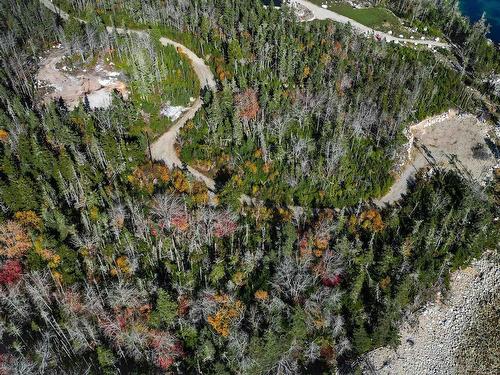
(164, 362)
(331, 281)
(6, 363)
(180, 221)
(224, 227)
(154, 232)
(337, 48)
(247, 104)
(304, 248)
(183, 305)
(10, 272)
(165, 348)
(327, 352)
(122, 321)
(73, 301)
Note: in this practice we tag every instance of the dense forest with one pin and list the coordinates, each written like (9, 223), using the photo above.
(110, 263)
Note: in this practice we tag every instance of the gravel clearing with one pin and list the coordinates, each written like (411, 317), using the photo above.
(320, 13)
(440, 139)
(455, 334)
(97, 83)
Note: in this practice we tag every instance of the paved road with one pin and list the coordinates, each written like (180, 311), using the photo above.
(320, 13)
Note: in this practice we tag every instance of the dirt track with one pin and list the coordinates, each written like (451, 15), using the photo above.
(164, 148)
(455, 136)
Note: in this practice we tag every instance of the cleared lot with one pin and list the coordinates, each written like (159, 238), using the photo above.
(58, 79)
(462, 140)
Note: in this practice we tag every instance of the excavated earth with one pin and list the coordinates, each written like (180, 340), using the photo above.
(57, 78)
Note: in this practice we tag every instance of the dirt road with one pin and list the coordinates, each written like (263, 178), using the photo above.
(451, 138)
(325, 14)
(163, 149)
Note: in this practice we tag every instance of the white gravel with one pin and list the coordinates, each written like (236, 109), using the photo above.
(172, 112)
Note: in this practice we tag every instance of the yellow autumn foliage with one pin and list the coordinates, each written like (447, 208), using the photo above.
(28, 219)
(54, 261)
(181, 183)
(123, 264)
(261, 295)
(307, 72)
(3, 135)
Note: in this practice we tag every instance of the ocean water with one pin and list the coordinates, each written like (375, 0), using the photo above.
(475, 8)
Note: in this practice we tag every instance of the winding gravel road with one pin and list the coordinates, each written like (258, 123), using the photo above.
(320, 13)
(163, 149)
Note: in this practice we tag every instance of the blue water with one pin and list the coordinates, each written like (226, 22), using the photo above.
(475, 8)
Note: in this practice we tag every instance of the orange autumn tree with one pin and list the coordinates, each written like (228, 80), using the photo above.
(3, 135)
(247, 104)
(123, 266)
(261, 295)
(147, 176)
(224, 318)
(371, 220)
(14, 241)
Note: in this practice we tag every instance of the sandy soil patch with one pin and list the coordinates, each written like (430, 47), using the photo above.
(439, 141)
(56, 80)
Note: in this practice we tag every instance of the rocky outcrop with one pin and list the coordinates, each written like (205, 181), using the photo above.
(455, 334)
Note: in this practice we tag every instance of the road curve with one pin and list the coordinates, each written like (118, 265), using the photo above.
(320, 13)
(415, 158)
(163, 149)
(53, 8)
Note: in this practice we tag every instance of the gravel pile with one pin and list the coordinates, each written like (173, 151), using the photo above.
(456, 334)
